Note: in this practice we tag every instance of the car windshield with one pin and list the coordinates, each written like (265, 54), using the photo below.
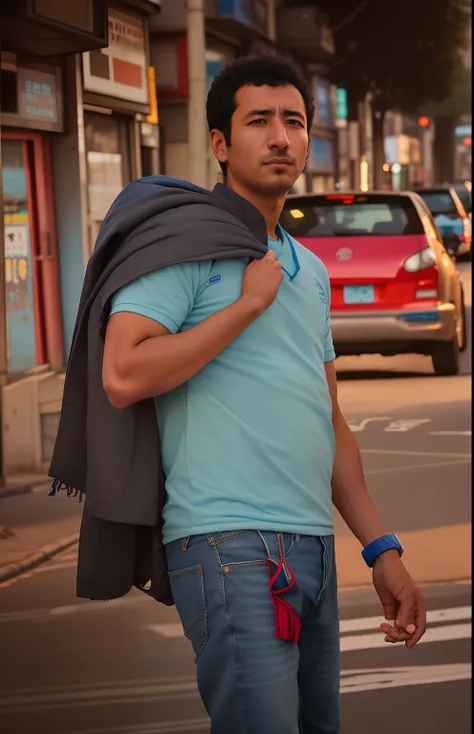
(440, 202)
(352, 215)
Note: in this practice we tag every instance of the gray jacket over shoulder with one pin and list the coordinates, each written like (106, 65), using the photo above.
(110, 455)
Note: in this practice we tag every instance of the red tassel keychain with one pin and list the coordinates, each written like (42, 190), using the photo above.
(287, 621)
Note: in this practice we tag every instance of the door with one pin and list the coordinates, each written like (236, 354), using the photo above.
(25, 332)
(109, 169)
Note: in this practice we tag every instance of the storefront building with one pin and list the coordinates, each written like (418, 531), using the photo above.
(32, 110)
(35, 40)
(75, 130)
(115, 84)
(104, 145)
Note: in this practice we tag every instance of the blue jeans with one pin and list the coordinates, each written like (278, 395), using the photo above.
(250, 681)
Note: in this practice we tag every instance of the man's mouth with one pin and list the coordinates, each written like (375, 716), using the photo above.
(279, 162)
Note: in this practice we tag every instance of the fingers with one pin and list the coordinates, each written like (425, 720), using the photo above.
(420, 621)
(412, 632)
(393, 634)
(406, 611)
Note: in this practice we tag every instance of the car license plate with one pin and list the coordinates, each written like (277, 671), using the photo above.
(359, 294)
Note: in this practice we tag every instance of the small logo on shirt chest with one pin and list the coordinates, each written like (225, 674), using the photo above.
(215, 279)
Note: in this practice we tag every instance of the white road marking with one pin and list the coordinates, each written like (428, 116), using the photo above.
(450, 433)
(438, 634)
(406, 424)
(357, 427)
(408, 467)
(93, 606)
(99, 695)
(169, 629)
(456, 614)
(45, 615)
(437, 454)
(371, 680)
(141, 692)
(350, 643)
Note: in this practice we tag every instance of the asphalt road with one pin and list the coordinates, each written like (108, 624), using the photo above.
(70, 666)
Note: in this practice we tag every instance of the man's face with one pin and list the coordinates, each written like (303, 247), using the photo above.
(269, 140)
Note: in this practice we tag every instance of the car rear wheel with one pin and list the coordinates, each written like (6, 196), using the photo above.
(446, 358)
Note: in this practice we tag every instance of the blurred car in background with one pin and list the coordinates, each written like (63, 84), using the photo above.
(451, 219)
(394, 288)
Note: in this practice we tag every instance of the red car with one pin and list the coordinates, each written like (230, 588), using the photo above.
(394, 288)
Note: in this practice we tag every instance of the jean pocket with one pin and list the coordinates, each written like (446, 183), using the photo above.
(239, 549)
(187, 586)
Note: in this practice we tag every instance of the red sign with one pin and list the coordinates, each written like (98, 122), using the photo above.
(467, 142)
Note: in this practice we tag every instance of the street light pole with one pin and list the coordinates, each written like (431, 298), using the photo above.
(197, 130)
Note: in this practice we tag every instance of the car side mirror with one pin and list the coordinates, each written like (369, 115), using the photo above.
(451, 242)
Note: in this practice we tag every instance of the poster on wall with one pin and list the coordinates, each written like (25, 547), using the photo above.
(105, 182)
(120, 70)
(20, 312)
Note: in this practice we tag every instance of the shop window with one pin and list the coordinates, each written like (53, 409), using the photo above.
(9, 93)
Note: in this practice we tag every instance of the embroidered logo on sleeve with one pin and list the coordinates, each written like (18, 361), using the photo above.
(321, 293)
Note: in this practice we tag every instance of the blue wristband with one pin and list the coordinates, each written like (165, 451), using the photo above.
(387, 542)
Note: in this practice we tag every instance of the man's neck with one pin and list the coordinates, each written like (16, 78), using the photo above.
(269, 207)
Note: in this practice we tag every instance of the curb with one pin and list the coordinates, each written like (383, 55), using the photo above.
(15, 491)
(11, 570)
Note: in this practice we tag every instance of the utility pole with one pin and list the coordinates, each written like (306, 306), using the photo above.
(197, 129)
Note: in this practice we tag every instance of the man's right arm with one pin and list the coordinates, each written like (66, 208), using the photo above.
(143, 359)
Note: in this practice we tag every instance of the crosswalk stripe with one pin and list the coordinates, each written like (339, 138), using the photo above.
(352, 643)
(151, 691)
(433, 616)
(349, 643)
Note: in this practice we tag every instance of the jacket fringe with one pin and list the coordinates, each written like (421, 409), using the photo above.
(58, 486)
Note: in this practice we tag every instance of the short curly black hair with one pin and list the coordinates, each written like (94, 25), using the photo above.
(273, 71)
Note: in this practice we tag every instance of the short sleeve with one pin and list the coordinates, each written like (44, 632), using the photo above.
(166, 295)
(329, 351)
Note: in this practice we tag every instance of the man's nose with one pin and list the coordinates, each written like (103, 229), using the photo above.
(278, 137)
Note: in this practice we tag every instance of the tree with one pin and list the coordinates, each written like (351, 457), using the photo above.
(405, 53)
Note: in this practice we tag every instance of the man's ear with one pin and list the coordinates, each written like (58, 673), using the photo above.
(219, 145)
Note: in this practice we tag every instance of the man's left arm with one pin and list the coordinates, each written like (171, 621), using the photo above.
(401, 599)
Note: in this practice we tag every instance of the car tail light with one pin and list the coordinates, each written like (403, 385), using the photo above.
(427, 287)
(422, 259)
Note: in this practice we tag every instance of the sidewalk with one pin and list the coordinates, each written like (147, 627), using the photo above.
(23, 484)
(37, 527)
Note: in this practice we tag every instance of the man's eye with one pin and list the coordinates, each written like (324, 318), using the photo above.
(258, 121)
(296, 122)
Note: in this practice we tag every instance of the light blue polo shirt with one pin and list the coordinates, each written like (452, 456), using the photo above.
(248, 442)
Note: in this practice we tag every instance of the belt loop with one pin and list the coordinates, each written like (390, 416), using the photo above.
(184, 547)
(297, 538)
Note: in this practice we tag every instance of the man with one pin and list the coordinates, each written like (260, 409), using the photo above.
(239, 357)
